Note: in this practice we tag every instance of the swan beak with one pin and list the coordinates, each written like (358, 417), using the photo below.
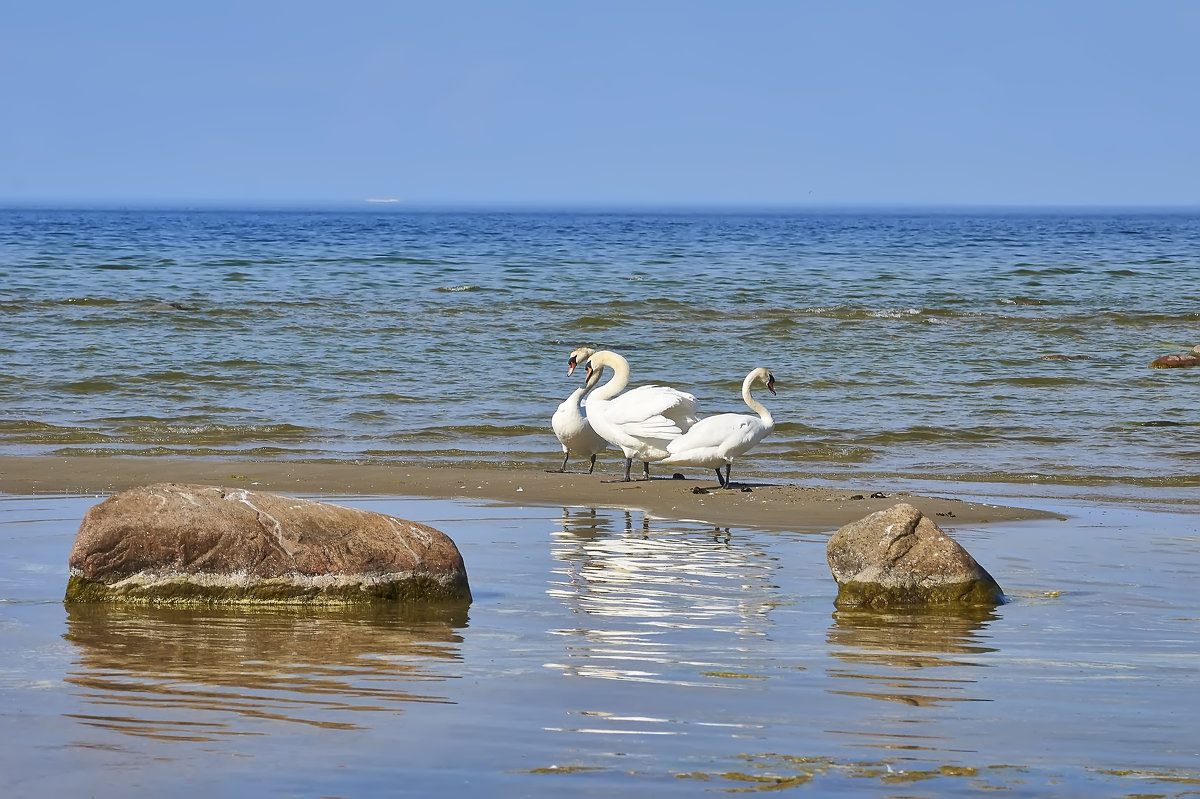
(571, 364)
(771, 383)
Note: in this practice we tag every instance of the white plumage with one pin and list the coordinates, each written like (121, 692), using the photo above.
(715, 441)
(640, 422)
(574, 431)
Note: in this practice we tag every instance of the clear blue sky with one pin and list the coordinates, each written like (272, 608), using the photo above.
(608, 102)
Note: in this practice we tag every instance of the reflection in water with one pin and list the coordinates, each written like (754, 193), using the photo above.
(206, 673)
(635, 583)
(891, 654)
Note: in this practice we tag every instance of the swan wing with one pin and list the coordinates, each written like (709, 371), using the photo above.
(645, 402)
(728, 433)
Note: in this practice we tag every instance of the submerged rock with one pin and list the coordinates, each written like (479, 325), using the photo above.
(1190, 358)
(899, 557)
(178, 544)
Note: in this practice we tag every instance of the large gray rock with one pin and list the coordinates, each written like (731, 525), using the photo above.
(169, 543)
(898, 556)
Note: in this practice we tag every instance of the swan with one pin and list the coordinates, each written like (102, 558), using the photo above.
(717, 440)
(574, 431)
(640, 422)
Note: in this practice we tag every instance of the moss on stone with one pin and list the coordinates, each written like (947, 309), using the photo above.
(184, 590)
(874, 595)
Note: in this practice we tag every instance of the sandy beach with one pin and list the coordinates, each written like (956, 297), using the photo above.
(769, 504)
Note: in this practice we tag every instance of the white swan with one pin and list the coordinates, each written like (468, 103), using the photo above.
(717, 440)
(640, 422)
(574, 431)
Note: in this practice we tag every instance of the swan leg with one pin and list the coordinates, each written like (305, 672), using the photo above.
(645, 470)
(563, 468)
(720, 477)
(728, 467)
(625, 479)
(593, 466)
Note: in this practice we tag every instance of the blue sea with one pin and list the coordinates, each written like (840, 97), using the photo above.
(608, 651)
(994, 348)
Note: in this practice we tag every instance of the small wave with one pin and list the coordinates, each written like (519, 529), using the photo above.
(99, 302)
(90, 386)
(894, 313)
(1037, 271)
(456, 289)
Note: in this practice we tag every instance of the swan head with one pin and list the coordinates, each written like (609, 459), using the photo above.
(578, 356)
(763, 375)
(593, 375)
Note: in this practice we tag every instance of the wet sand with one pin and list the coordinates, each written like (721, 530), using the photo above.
(769, 504)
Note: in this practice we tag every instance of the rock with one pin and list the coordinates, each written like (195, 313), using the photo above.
(187, 544)
(1190, 358)
(1176, 361)
(899, 557)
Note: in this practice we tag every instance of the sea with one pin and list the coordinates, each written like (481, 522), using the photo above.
(992, 357)
(1000, 348)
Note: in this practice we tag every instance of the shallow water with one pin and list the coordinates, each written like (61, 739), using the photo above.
(906, 346)
(609, 651)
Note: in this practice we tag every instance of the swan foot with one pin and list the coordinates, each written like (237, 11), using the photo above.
(628, 466)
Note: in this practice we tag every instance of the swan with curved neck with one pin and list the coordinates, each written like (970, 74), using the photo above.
(572, 427)
(640, 422)
(715, 441)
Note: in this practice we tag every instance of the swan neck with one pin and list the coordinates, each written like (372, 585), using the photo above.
(754, 404)
(617, 382)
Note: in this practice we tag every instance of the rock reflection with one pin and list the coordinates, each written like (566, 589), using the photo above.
(892, 652)
(660, 601)
(206, 674)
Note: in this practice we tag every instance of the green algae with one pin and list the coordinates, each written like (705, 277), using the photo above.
(188, 590)
(874, 595)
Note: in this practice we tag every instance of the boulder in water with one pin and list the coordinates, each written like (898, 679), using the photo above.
(187, 544)
(899, 557)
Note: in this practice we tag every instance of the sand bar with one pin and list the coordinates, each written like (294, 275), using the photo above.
(771, 504)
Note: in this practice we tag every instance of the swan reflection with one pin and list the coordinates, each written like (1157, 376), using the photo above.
(659, 601)
(208, 673)
(916, 657)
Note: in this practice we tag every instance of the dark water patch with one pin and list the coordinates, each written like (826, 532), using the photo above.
(1165, 423)
(829, 452)
(1045, 271)
(215, 433)
(389, 396)
(1026, 301)
(189, 452)
(1031, 381)
(117, 267)
(590, 323)
(922, 434)
(90, 386)
(27, 431)
(370, 416)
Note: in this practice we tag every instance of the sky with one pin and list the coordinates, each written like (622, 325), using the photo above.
(608, 103)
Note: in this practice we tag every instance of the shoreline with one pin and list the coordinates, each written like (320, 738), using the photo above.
(773, 504)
